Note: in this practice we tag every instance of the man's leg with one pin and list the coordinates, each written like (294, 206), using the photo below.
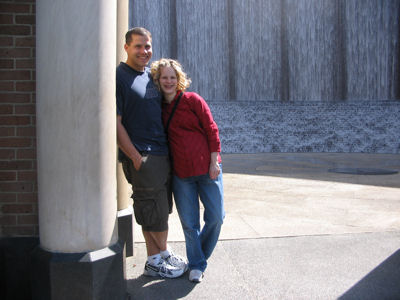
(151, 211)
(156, 265)
(155, 241)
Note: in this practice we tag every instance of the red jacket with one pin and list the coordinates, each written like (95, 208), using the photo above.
(192, 135)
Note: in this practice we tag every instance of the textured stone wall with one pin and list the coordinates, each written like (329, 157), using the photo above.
(253, 127)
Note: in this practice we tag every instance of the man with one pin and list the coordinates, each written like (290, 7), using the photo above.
(144, 154)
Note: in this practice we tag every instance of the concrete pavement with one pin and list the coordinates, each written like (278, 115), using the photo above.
(294, 230)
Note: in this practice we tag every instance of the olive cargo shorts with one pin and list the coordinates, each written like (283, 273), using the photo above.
(151, 191)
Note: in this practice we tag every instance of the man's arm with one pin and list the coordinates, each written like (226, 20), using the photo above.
(125, 144)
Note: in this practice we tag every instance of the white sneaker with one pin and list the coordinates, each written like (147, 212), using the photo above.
(162, 269)
(177, 261)
(196, 276)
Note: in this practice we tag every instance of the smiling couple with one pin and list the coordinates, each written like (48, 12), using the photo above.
(161, 127)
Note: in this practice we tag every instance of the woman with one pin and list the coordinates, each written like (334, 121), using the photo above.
(194, 145)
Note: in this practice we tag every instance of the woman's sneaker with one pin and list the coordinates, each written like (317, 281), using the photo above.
(177, 261)
(196, 276)
(162, 269)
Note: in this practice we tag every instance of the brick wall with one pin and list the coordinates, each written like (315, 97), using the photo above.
(18, 177)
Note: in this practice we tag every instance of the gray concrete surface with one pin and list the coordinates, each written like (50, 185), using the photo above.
(294, 230)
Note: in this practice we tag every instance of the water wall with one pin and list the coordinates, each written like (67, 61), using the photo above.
(244, 56)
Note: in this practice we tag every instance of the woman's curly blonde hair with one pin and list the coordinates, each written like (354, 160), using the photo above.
(183, 80)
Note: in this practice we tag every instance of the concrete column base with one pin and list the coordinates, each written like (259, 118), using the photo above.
(126, 222)
(93, 275)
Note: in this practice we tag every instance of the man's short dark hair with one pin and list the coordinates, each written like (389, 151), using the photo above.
(136, 31)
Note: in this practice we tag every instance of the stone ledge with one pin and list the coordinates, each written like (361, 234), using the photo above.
(308, 126)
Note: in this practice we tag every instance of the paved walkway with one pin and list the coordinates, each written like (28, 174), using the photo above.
(294, 230)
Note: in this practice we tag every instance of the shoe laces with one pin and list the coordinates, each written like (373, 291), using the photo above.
(175, 260)
(164, 267)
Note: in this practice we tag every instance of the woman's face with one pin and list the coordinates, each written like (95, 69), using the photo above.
(168, 81)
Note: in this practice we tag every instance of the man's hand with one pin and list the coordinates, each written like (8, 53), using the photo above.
(125, 144)
(137, 162)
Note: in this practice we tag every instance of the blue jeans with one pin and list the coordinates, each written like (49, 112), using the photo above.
(199, 243)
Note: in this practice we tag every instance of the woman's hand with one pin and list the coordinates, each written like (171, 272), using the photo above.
(214, 171)
(214, 168)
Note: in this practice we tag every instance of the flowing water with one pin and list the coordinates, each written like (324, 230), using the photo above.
(288, 50)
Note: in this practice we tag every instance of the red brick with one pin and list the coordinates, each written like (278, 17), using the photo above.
(8, 176)
(19, 230)
(16, 187)
(6, 41)
(27, 197)
(15, 98)
(15, 75)
(15, 120)
(35, 207)
(16, 165)
(12, 142)
(25, 19)
(6, 109)
(15, 29)
(26, 153)
(6, 63)
(15, 8)
(27, 176)
(6, 19)
(7, 131)
(25, 63)
(36, 230)
(25, 41)
(17, 208)
(15, 52)
(26, 131)
(26, 109)
(25, 86)
(8, 220)
(21, 123)
(7, 154)
(8, 197)
(27, 220)
(6, 86)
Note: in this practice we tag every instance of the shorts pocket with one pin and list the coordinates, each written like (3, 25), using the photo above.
(145, 209)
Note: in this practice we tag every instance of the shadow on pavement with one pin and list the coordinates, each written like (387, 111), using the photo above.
(145, 287)
(381, 283)
(316, 166)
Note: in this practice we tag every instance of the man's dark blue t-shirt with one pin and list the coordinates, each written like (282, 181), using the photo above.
(139, 105)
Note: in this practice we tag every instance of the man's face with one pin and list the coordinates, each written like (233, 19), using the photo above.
(139, 52)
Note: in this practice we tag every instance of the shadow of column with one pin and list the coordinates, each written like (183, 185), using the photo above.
(381, 283)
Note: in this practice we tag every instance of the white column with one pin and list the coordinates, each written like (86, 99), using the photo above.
(76, 124)
(122, 28)
(126, 221)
